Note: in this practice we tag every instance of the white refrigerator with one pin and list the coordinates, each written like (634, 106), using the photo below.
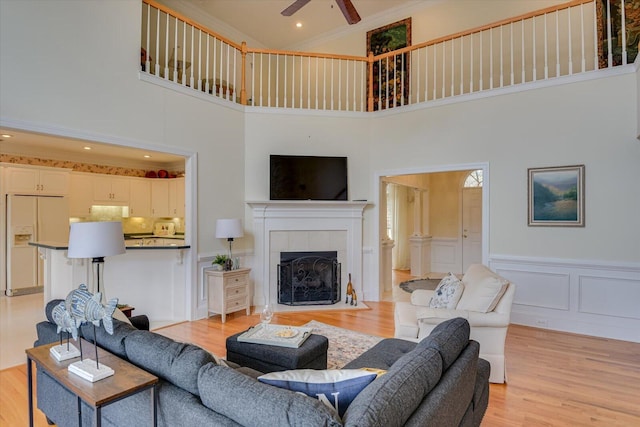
(31, 219)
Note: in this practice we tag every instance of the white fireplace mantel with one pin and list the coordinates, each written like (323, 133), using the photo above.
(277, 215)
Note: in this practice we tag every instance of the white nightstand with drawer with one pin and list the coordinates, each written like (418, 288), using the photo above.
(228, 291)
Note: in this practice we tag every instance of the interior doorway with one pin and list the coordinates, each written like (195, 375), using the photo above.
(451, 221)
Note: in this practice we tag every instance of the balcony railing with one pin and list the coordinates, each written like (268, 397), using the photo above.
(572, 38)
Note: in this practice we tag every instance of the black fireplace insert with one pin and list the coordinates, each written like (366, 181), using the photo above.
(309, 278)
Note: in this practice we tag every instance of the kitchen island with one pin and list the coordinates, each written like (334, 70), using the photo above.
(151, 278)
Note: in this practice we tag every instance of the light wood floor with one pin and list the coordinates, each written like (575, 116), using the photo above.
(555, 379)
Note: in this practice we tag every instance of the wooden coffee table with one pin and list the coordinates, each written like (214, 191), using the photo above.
(127, 380)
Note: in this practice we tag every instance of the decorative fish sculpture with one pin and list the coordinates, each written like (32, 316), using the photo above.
(87, 307)
(63, 319)
(94, 312)
(76, 302)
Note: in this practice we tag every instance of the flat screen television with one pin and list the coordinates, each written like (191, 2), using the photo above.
(307, 178)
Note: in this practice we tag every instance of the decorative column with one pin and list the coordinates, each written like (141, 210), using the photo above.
(420, 242)
(386, 244)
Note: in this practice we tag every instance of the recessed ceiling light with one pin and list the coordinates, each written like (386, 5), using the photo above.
(146, 156)
(6, 135)
(87, 148)
(299, 24)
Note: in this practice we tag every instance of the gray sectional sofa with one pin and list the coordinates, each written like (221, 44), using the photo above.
(440, 381)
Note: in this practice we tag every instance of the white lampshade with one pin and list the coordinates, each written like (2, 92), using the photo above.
(95, 239)
(229, 228)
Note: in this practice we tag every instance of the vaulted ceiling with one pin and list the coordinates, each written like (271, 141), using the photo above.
(262, 19)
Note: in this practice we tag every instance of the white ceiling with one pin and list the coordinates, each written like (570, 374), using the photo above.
(58, 148)
(262, 21)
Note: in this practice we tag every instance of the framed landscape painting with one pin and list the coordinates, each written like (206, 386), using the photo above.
(556, 196)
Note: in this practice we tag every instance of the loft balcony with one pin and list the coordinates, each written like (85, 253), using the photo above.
(575, 38)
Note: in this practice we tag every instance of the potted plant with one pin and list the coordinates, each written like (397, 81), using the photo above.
(220, 262)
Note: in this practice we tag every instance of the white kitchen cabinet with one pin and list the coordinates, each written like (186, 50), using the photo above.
(80, 194)
(228, 291)
(176, 197)
(111, 189)
(160, 198)
(140, 197)
(38, 181)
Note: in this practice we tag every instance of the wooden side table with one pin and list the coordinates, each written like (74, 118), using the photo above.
(228, 291)
(127, 380)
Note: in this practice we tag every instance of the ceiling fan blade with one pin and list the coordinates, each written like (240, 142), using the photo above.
(294, 7)
(349, 11)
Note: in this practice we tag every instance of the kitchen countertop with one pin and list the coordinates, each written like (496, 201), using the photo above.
(63, 246)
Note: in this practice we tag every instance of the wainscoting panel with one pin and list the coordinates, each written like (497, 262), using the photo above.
(610, 297)
(538, 289)
(445, 255)
(597, 298)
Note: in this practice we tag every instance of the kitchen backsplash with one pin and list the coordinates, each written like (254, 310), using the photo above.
(130, 225)
(76, 166)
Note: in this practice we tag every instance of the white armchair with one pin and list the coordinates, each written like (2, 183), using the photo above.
(485, 302)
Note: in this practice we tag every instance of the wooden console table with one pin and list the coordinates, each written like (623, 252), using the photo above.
(127, 380)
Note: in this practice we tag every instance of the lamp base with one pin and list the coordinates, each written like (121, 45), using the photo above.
(61, 352)
(86, 369)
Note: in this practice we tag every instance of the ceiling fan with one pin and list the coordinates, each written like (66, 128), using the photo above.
(348, 10)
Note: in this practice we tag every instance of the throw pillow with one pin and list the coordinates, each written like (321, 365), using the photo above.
(483, 289)
(335, 388)
(447, 293)
(251, 403)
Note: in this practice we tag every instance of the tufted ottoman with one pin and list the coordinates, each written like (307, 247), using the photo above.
(312, 354)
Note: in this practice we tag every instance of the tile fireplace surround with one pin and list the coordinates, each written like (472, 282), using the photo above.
(297, 226)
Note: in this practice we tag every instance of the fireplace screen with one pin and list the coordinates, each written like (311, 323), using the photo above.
(307, 278)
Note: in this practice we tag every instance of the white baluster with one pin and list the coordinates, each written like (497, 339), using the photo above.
(609, 47)
(570, 53)
(558, 44)
(501, 57)
(546, 50)
(490, 58)
(523, 78)
(511, 55)
(309, 82)
(596, 62)
(533, 20)
(481, 67)
(471, 60)
(623, 30)
(434, 72)
(157, 43)
(269, 83)
(461, 65)
(453, 42)
(583, 61)
(207, 85)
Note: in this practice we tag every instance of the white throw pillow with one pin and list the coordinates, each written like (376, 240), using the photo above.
(335, 388)
(447, 293)
(482, 289)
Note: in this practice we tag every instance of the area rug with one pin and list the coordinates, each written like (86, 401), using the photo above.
(414, 284)
(344, 344)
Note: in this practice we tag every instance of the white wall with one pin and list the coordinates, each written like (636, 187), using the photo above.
(71, 67)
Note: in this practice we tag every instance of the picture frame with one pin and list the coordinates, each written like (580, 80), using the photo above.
(556, 196)
(390, 78)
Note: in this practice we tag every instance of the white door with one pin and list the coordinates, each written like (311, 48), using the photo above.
(471, 227)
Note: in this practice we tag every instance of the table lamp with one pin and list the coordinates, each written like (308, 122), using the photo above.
(229, 229)
(96, 240)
